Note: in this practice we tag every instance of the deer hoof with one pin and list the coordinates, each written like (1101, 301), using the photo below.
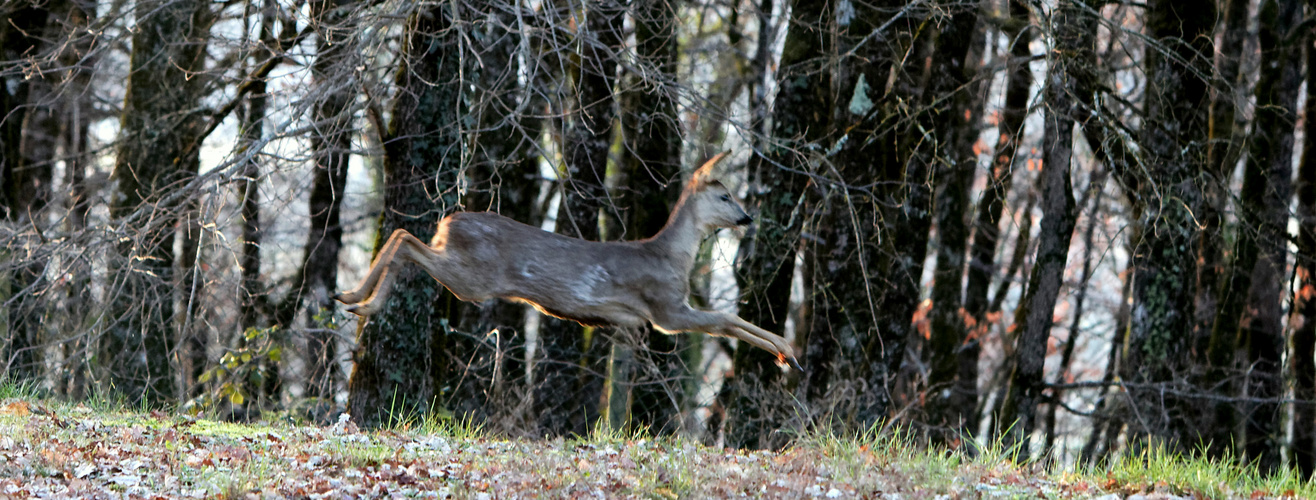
(784, 360)
(359, 310)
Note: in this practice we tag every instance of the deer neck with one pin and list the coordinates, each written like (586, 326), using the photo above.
(681, 236)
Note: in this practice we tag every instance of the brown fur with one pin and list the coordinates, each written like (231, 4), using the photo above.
(484, 255)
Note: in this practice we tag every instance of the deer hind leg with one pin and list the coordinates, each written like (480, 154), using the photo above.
(377, 269)
(408, 249)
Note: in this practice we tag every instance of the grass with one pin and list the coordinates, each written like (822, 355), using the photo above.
(117, 449)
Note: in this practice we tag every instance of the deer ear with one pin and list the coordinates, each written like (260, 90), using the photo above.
(709, 173)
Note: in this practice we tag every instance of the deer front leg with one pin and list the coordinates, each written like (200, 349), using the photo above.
(377, 269)
(781, 343)
(689, 319)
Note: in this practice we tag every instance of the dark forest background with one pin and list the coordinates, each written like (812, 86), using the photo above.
(1079, 226)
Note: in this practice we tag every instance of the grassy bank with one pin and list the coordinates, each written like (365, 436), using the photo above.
(50, 448)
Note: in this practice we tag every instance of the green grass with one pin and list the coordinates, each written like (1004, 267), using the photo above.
(1154, 469)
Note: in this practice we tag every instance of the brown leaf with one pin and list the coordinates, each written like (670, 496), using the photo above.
(20, 408)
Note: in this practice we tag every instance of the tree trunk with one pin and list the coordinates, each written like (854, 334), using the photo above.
(1264, 208)
(402, 351)
(332, 72)
(651, 166)
(950, 399)
(1096, 189)
(754, 395)
(263, 390)
(72, 380)
(987, 221)
(573, 361)
(908, 221)
(502, 176)
(1107, 423)
(1223, 150)
(1165, 262)
(157, 127)
(1074, 30)
(1215, 346)
(1009, 337)
(1303, 320)
(28, 132)
(21, 36)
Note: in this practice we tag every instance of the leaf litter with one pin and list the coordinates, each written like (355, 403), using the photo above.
(80, 453)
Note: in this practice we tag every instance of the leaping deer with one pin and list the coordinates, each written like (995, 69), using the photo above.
(483, 255)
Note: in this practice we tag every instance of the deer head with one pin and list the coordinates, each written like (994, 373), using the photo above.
(714, 205)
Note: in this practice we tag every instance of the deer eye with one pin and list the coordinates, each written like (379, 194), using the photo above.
(726, 197)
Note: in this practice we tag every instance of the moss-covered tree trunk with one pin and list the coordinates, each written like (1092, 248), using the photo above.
(158, 126)
(1174, 146)
(755, 396)
(402, 351)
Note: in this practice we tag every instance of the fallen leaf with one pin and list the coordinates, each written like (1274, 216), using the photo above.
(20, 408)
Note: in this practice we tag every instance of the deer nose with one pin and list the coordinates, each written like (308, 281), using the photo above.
(744, 221)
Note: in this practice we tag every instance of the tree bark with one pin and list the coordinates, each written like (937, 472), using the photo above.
(1264, 208)
(1074, 30)
(987, 221)
(1165, 261)
(157, 127)
(754, 395)
(402, 351)
(1303, 320)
